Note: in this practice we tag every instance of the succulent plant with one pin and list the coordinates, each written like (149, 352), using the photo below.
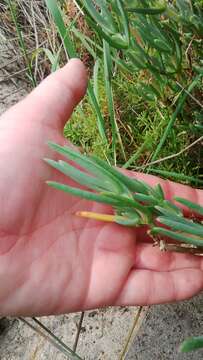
(135, 203)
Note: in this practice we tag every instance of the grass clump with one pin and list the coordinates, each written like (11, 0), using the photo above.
(82, 131)
(153, 110)
(137, 80)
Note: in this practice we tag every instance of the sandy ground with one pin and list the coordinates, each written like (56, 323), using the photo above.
(165, 328)
(103, 335)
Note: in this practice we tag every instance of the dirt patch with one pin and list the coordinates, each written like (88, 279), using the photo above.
(12, 86)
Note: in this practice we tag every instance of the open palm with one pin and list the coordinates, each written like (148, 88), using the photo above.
(52, 261)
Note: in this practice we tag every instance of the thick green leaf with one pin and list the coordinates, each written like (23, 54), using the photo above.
(176, 218)
(149, 199)
(192, 206)
(96, 78)
(178, 236)
(163, 45)
(100, 168)
(85, 194)
(116, 33)
(127, 202)
(80, 177)
(137, 62)
(133, 185)
(98, 18)
(105, 12)
(129, 219)
(89, 166)
(158, 191)
(193, 343)
(186, 227)
(172, 208)
(124, 20)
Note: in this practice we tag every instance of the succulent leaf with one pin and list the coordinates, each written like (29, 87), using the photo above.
(193, 343)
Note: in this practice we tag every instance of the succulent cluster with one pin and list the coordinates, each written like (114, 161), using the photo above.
(135, 203)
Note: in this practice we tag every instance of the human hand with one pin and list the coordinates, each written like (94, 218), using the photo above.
(53, 262)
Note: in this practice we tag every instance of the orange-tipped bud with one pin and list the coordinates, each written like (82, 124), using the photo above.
(96, 216)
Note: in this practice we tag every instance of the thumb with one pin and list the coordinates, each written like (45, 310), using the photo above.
(53, 101)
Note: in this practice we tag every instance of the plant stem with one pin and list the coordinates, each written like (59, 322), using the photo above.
(54, 340)
(22, 44)
(173, 118)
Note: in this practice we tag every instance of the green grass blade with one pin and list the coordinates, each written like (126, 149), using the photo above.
(53, 58)
(70, 49)
(85, 41)
(176, 176)
(47, 335)
(174, 116)
(192, 206)
(109, 93)
(94, 98)
(56, 13)
(191, 344)
(163, 46)
(100, 119)
(21, 42)
(136, 155)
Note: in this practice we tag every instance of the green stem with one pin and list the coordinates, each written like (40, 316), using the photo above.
(177, 176)
(22, 43)
(136, 155)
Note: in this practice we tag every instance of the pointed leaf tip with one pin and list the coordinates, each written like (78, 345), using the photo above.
(191, 344)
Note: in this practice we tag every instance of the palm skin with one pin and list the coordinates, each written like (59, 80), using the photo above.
(53, 262)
